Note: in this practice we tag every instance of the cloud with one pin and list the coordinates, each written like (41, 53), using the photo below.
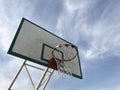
(7, 71)
(91, 28)
(91, 25)
(98, 41)
(4, 38)
(5, 82)
(116, 87)
(11, 14)
(46, 13)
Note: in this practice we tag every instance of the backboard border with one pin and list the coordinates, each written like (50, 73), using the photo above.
(31, 59)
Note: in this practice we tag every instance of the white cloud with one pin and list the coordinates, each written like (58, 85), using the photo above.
(72, 5)
(94, 39)
(101, 36)
(11, 14)
(4, 38)
(7, 72)
(5, 82)
(116, 87)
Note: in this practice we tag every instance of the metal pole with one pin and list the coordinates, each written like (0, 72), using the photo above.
(42, 78)
(16, 75)
(48, 80)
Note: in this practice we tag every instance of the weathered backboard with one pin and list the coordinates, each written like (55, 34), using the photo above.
(34, 43)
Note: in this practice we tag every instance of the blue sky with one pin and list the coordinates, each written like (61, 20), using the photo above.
(92, 25)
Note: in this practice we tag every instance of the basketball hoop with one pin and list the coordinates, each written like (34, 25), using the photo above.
(64, 57)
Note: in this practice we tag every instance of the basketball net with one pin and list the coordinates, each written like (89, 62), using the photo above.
(65, 67)
(65, 57)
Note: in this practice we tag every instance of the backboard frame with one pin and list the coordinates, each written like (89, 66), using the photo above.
(45, 63)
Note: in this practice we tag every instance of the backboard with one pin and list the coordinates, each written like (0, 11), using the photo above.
(34, 43)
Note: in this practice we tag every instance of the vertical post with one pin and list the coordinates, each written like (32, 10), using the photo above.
(48, 80)
(40, 81)
(16, 75)
(42, 78)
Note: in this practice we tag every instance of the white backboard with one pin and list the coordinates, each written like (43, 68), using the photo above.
(34, 43)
